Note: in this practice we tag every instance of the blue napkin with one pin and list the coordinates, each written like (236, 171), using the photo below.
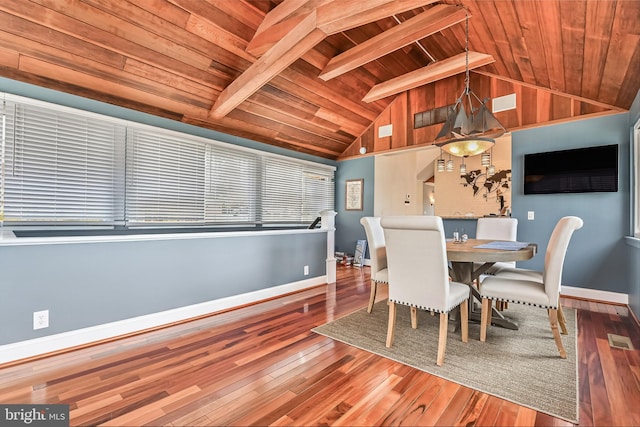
(504, 245)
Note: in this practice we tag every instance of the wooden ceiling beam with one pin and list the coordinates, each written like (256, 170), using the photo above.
(329, 17)
(420, 26)
(342, 15)
(262, 42)
(429, 74)
(281, 12)
(291, 47)
(278, 22)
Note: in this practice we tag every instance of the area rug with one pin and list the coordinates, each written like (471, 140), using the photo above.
(521, 366)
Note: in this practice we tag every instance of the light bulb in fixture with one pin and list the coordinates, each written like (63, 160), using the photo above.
(485, 159)
(449, 165)
(491, 170)
(363, 150)
(440, 165)
(463, 168)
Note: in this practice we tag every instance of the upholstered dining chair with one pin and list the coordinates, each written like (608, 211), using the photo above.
(531, 288)
(378, 254)
(497, 228)
(419, 274)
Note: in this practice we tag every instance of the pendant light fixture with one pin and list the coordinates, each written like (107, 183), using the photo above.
(470, 127)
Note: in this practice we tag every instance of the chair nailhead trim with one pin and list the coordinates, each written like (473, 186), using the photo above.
(519, 302)
(425, 308)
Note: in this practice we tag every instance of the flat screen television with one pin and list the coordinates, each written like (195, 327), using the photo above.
(581, 170)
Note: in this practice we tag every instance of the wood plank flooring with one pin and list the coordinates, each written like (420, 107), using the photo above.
(261, 365)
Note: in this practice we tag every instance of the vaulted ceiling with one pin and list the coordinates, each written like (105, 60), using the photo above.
(315, 76)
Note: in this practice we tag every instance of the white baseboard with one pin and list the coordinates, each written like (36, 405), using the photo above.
(594, 294)
(57, 342)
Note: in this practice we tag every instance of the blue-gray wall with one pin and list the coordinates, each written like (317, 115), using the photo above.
(348, 227)
(597, 257)
(88, 284)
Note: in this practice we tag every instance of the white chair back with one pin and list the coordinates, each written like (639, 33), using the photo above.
(556, 251)
(498, 228)
(417, 262)
(376, 242)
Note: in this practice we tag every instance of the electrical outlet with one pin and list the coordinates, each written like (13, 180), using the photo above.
(40, 319)
(530, 215)
(306, 270)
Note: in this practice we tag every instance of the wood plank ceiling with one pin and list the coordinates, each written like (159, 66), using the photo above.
(316, 76)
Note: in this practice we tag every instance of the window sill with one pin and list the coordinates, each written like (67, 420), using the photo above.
(632, 241)
(7, 238)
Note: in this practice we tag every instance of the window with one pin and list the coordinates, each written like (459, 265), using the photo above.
(60, 167)
(232, 186)
(165, 178)
(65, 166)
(294, 191)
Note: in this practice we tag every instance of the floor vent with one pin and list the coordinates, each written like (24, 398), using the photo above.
(618, 341)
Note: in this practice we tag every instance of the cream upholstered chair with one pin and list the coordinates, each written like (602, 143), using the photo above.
(497, 228)
(378, 254)
(527, 288)
(419, 274)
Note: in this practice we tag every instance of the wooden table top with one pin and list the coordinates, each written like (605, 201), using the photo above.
(467, 252)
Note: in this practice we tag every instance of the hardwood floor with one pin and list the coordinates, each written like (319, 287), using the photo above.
(261, 365)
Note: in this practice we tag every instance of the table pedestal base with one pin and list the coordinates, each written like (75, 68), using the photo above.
(463, 272)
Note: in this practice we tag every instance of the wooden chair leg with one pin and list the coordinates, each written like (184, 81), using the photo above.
(553, 319)
(414, 318)
(485, 315)
(464, 320)
(392, 323)
(372, 296)
(562, 320)
(442, 338)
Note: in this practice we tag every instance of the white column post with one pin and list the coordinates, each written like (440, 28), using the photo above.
(329, 223)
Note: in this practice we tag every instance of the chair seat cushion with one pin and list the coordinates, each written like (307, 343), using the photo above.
(381, 276)
(458, 292)
(516, 290)
(498, 266)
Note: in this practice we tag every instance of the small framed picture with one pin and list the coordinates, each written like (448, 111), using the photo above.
(353, 194)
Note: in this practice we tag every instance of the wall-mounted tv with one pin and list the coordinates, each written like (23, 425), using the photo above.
(581, 170)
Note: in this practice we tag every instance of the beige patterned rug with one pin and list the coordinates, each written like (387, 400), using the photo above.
(521, 366)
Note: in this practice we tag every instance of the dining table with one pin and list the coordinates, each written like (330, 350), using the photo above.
(469, 260)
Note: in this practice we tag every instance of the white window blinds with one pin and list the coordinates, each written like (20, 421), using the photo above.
(232, 183)
(65, 166)
(60, 167)
(165, 178)
(294, 191)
